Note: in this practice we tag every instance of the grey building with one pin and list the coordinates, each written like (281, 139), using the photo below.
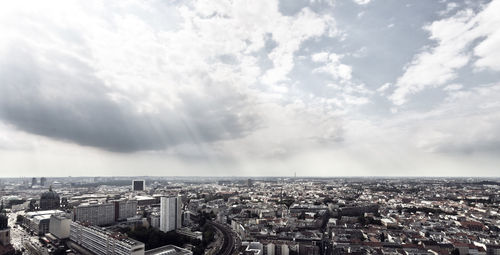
(101, 242)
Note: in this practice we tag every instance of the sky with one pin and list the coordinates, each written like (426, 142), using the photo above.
(250, 88)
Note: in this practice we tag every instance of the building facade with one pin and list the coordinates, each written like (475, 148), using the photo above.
(101, 242)
(138, 185)
(59, 226)
(95, 214)
(125, 209)
(170, 213)
(38, 222)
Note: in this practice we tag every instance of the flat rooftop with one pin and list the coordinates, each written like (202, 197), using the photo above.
(168, 250)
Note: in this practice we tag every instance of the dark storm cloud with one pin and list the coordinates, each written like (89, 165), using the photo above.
(61, 97)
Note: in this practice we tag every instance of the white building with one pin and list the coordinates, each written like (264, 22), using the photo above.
(255, 248)
(59, 226)
(155, 220)
(169, 250)
(170, 213)
(38, 222)
(102, 242)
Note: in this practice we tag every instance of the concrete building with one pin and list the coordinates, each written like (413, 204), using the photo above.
(125, 209)
(38, 222)
(170, 213)
(43, 181)
(190, 234)
(358, 210)
(253, 248)
(168, 249)
(155, 220)
(99, 241)
(95, 214)
(138, 185)
(59, 226)
(147, 200)
(107, 213)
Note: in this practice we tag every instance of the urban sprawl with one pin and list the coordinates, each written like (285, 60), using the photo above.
(257, 216)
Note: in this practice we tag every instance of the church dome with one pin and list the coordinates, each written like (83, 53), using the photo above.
(49, 194)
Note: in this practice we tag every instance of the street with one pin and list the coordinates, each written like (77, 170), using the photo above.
(20, 238)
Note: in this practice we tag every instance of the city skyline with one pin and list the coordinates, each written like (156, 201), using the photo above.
(261, 88)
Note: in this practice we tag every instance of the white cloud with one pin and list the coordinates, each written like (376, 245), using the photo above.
(320, 57)
(488, 51)
(438, 65)
(333, 66)
(362, 2)
(223, 68)
(453, 87)
(454, 36)
(384, 88)
(449, 8)
(203, 65)
(439, 133)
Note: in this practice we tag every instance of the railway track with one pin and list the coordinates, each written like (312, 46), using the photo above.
(228, 243)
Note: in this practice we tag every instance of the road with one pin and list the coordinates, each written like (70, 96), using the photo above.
(20, 239)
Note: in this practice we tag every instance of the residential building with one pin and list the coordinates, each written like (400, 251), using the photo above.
(170, 213)
(95, 214)
(101, 242)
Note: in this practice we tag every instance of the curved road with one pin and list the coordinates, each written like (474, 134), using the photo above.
(228, 244)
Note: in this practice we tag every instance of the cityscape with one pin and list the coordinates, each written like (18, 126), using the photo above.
(272, 215)
(250, 127)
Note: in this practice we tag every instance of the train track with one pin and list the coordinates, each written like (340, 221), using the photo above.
(228, 243)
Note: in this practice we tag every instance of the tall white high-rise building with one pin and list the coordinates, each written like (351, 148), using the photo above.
(170, 213)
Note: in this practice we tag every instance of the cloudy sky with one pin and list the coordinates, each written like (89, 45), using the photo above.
(203, 87)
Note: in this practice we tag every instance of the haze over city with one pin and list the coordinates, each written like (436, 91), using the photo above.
(250, 88)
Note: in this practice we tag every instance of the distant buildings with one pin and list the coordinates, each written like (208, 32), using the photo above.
(138, 185)
(170, 213)
(359, 210)
(33, 182)
(249, 183)
(99, 241)
(43, 180)
(49, 200)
